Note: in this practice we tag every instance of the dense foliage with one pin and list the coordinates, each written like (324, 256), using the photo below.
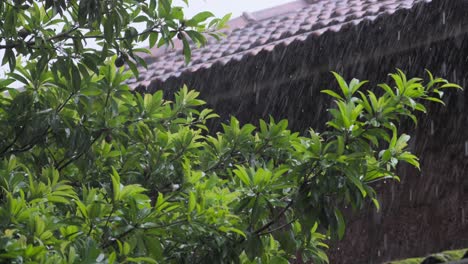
(60, 31)
(92, 172)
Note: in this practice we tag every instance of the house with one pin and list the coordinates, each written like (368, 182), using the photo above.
(276, 61)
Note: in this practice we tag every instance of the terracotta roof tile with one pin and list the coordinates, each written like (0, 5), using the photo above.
(264, 30)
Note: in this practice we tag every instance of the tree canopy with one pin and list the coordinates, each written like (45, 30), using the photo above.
(56, 31)
(91, 172)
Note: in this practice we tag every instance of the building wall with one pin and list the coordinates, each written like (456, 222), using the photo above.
(427, 211)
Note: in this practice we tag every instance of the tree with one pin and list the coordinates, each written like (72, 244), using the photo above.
(92, 172)
(55, 32)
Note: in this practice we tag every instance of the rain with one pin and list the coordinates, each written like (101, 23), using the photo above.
(276, 62)
(106, 156)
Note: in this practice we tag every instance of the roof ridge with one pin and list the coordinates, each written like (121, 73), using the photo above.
(280, 10)
(301, 36)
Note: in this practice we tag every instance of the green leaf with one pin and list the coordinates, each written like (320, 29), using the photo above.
(358, 184)
(202, 16)
(192, 202)
(223, 21)
(112, 257)
(196, 37)
(164, 7)
(187, 50)
(115, 184)
(434, 99)
(82, 209)
(342, 84)
(287, 240)
(153, 38)
(387, 89)
(340, 223)
(341, 146)
(278, 260)
(376, 204)
(141, 260)
(355, 85)
(133, 68)
(402, 142)
(409, 158)
(91, 91)
(108, 29)
(451, 85)
(242, 174)
(332, 93)
(253, 247)
(232, 229)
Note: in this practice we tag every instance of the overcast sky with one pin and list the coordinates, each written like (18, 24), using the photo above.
(222, 7)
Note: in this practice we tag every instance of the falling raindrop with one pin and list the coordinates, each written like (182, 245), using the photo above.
(466, 148)
(444, 68)
(463, 216)
(385, 242)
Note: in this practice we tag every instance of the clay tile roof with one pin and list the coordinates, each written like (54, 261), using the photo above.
(264, 30)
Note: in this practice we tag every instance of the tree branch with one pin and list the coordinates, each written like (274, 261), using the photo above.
(66, 35)
(74, 158)
(278, 228)
(281, 213)
(32, 43)
(126, 233)
(14, 141)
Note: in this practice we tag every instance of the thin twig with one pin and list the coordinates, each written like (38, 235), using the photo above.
(281, 213)
(74, 158)
(278, 228)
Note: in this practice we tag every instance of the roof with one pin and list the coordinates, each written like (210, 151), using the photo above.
(459, 256)
(264, 30)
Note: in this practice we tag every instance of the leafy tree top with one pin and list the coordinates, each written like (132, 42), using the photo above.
(55, 30)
